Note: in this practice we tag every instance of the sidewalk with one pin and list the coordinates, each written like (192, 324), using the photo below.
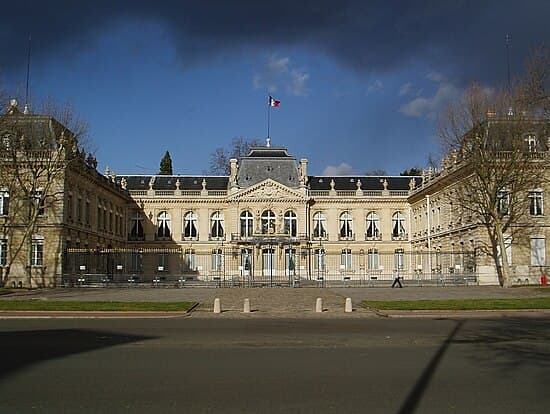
(277, 302)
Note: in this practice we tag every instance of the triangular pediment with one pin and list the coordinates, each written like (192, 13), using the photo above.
(268, 190)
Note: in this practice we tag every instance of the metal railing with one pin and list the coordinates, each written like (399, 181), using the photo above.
(264, 265)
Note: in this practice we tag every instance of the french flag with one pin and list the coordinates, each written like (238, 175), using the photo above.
(273, 102)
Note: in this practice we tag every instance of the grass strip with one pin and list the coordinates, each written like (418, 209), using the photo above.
(78, 306)
(460, 304)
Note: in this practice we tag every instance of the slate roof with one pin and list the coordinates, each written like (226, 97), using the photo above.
(168, 182)
(367, 182)
(268, 162)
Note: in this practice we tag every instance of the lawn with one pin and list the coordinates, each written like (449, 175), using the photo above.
(460, 304)
(43, 305)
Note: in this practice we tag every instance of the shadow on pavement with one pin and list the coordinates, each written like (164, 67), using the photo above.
(415, 395)
(511, 343)
(20, 349)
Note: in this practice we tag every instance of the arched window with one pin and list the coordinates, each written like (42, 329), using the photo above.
(164, 225)
(136, 229)
(247, 224)
(398, 225)
(346, 225)
(319, 225)
(268, 222)
(291, 223)
(373, 226)
(216, 223)
(190, 225)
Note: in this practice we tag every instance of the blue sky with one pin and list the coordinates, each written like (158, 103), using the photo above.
(361, 83)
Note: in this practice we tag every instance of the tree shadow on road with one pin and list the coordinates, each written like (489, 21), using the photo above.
(21, 349)
(510, 343)
(415, 395)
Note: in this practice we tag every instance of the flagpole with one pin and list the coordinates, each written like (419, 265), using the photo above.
(268, 113)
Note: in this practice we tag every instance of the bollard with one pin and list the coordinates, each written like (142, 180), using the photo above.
(217, 306)
(246, 306)
(348, 308)
(319, 305)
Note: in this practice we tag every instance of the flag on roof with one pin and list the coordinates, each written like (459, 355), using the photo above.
(273, 102)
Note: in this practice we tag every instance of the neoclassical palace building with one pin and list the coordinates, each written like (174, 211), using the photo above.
(266, 223)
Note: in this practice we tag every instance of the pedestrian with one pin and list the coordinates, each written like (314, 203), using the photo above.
(396, 279)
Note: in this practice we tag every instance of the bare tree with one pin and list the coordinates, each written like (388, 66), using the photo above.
(36, 152)
(219, 159)
(491, 139)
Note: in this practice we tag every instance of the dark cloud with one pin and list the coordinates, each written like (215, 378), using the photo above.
(461, 38)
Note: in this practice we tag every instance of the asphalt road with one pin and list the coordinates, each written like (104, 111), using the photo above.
(188, 365)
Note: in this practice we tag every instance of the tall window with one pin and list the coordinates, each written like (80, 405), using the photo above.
(216, 223)
(319, 225)
(345, 259)
(136, 229)
(3, 252)
(39, 202)
(217, 260)
(372, 259)
(136, 262)
(346, 225)
(399, 259)
(268, 256)
(319, 260)
(268, 222)
(247, 224)
(503, 202)
(536, 203)
(87, 211)
(398, 225)
(79, 209)
(4, 202)
(290, 223)
(189, 260)
(70, 206)
(37, 251)
(162, 262)
(246, 260)
(531, 143)
(164, 225)
(290, 262)
(538, 251)
(373, 226)
(190, 225)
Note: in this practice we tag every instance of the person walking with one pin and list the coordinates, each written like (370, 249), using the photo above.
(396, 279)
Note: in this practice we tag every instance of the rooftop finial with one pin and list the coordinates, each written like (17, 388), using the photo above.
(268, 142)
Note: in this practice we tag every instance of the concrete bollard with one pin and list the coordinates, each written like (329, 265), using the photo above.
(217, 306)
(246, 306)
(319, 305)
(348, 308)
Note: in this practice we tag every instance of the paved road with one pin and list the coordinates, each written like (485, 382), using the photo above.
(280, 365)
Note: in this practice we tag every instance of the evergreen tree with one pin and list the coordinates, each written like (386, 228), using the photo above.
(166, 165)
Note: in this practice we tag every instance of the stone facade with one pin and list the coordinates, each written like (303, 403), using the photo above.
(268, 217)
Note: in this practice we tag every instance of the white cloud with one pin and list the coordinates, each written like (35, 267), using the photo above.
(278, 73)
(375, 86)
(342, 169)
(405, 89)
(435, 77)
(429, 107)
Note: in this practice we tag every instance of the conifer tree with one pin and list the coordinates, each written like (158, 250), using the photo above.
(166, 165)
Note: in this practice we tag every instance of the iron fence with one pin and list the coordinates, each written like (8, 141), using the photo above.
(265, 266)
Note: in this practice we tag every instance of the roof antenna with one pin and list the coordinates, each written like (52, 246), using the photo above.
(26, 110)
